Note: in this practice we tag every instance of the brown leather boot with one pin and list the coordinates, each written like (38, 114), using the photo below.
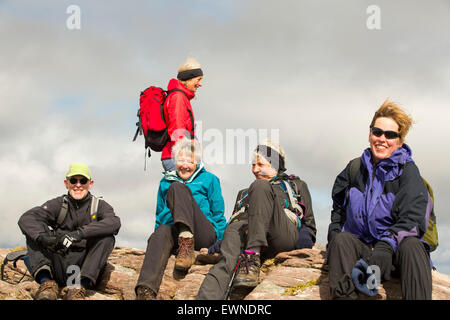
(145, 293)
(48, 290)
(76, 293)
(185, 257)
(248, 273)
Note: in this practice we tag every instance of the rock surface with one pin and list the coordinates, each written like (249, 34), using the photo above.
(295, 275)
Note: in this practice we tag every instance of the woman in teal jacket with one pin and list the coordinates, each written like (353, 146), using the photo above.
(206, 191)
(189, 216)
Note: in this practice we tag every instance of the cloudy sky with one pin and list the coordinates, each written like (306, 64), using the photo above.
(310, 73)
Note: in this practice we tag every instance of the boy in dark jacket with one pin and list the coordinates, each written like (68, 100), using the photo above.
(73, 246)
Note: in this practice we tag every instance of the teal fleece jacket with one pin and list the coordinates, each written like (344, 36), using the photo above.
(207, 192)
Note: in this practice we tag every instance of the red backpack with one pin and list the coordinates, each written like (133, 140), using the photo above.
(151, 118)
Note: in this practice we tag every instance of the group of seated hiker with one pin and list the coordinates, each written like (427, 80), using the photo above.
(378, 220)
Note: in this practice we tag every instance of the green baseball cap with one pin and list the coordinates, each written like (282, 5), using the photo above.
(78, 168)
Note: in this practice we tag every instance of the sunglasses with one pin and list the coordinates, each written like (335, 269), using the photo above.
(81, 181)
(377, 132)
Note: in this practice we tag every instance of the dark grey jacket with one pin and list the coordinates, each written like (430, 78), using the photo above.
(37, 219)
(302, 190)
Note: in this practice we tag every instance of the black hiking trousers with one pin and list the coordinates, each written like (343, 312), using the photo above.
(90, 260)
(268, 227)
(163, 241)
(411, 261)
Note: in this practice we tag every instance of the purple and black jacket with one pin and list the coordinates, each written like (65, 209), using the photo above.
(379, 205)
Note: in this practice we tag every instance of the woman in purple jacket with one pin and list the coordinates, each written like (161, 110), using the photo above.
(379, 215)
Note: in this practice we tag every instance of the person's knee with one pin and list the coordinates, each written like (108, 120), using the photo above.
(176, 186)
(105, 241)
(409, 247)
(260, 184)
(342, 240)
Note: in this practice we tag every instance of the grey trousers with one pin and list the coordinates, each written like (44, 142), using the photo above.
(411, 261)
(268, 227)
(91, 260)
(163, 241)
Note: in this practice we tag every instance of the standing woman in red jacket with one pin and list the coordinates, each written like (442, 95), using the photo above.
(178, 111)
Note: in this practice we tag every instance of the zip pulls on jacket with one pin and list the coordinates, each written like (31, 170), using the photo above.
(373, 179)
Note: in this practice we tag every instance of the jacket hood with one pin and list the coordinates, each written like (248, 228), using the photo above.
(173, 175)
(176, 84)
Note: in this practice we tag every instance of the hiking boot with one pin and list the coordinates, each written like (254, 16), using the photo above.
(48, 290)
(145, 293)
(76, 293)
(248, 273)
(185, 257)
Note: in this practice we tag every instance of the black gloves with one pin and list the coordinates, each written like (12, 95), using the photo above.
(71, 237)
(215, 247)
(304, 239)
(382, 257)
(47, 241)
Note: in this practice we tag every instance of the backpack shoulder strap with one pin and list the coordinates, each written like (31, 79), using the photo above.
(65, 207)
(94, 207)
(293, 199)
(189, 111)
(63, 212)
(355, 165)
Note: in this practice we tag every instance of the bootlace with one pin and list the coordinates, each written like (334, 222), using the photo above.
(184, 249)
(146, 292)
(247, 261)
(78, 293)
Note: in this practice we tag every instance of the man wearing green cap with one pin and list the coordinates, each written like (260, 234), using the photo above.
(69, 238)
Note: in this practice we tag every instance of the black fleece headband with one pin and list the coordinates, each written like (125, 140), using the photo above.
(189, 74)
(275, 159)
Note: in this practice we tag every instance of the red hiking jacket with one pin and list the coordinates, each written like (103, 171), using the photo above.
(177, 115)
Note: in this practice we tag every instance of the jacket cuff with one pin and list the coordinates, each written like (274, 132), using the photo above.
(83, 234)
(390, 238)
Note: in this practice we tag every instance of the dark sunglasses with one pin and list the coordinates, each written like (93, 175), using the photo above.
(75, 180)
(377, 132)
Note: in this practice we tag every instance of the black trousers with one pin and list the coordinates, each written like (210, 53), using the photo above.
(163, 241)
(268, 226)
(411, 261)
(90, 259)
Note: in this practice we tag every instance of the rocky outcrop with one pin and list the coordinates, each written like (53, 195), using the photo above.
(295, 275)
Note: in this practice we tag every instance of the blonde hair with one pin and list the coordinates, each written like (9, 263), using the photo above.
(189, 64)
(392, 110)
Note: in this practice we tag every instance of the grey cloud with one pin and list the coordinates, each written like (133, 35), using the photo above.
(312, 70)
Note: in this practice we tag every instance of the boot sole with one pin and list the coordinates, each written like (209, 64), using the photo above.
(239, 293)
(182, 268)
(245, 283)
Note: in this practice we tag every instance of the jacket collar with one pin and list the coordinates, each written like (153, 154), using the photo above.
(80, 202)
(176, 84)
(173, 175)
(392, 165)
